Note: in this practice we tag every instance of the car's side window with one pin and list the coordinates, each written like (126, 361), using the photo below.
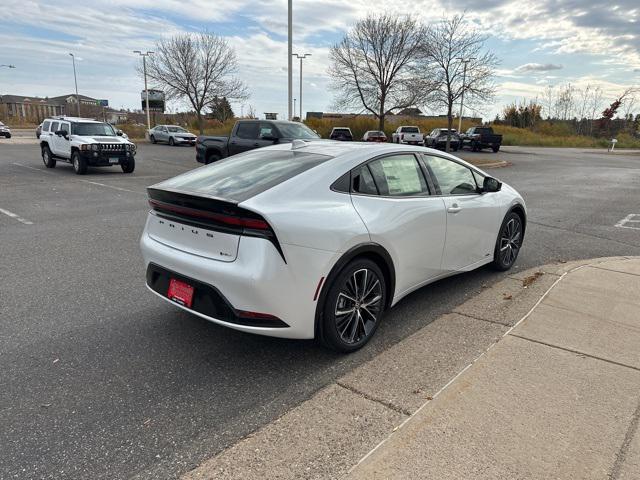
(398, 175)
(267, 130)
(55, 126)
(249, 130)
(45, 125)
(363, 181)
(65, 127)
(452, 177)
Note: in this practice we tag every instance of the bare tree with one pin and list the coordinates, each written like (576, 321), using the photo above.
(597, 97)
(549, 100)
(374, 67)
(565, 102)
(447, 47)
(196, 69)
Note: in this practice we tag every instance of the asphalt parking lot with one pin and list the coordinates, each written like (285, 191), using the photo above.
(101, 379)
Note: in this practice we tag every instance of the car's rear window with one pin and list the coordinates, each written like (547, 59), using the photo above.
(410, 130)
(341, 130)
(243, 176)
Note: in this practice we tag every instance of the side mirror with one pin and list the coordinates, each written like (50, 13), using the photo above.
(490, 184)
(268, 137)
(62, 133)
(120, 133)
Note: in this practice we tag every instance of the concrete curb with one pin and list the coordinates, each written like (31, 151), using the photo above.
(342, 424)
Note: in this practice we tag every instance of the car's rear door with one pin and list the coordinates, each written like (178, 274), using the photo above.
(472, 217)
(391, 195)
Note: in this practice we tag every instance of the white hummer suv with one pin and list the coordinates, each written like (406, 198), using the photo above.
(83, 143)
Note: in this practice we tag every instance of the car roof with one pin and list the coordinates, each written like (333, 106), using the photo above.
(74, 120)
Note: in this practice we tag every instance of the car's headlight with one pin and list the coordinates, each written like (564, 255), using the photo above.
(95, 146)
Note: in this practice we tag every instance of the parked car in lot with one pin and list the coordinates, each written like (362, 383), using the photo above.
(438, 139)
(85, 143)
(171, 134)
(477, 138)
(308, 239)
(342, 134)
(38, 130)
(407, 135)
(374, 136)
(5, 131)
(250, 134)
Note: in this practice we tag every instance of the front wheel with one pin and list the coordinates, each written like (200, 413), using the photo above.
(79, 163)
(496, 149)
(172, 142)
(47, 157)
(508, 243)
(153, 139)
(129, 165)
(212, 158)
(353, 307)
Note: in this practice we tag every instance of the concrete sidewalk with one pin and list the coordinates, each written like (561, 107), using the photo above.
(557, 397)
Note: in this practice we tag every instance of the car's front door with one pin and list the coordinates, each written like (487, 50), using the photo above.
(62, 145)
(250, 135)
(391, 196)
(472, 217)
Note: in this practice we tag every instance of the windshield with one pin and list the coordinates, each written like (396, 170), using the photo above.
(376, 134)
(89, 129)
(177, 129)
(410, 130)
(296, 130)
(245, 175)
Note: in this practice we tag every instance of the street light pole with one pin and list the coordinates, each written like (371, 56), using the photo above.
(290, 64)
(75, 79)
(464, 81)
(146, 89)
(301, 57)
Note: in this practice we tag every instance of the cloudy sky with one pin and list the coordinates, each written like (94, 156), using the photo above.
(539, 43)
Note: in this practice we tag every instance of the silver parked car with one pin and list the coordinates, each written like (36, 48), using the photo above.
(171, 134)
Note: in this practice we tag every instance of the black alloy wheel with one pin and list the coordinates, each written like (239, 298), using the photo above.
(354, 306)
(509, 242)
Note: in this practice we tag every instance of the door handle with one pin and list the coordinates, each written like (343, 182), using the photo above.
(454, 208)
(256, 144)
(233, 143)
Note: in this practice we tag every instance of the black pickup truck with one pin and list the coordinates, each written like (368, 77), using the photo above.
(478, 138)
(250, 134)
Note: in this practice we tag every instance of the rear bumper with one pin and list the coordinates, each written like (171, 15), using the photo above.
(257, 281)
(188, 141)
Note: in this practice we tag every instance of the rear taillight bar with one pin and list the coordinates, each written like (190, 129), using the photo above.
(233, 220)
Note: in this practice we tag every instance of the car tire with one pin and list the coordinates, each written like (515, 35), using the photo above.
(47, 157)
(361, 313)
(475, 147)
(129, 165)
(213, 157)
(79, 163)
(496, 149)
(153, 139)
(509, 242)
(172, 142)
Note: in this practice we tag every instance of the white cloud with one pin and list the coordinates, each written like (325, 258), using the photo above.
(538, 67)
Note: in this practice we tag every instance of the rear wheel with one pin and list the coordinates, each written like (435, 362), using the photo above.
(79, 163)
(509, 242)
(129, 165)
(495, 149)
(353, 307)
(47, 157)
(213, 157)
(172, 142)
(475, 147)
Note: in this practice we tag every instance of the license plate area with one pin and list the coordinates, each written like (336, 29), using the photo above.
(180, 292)
(114, 160)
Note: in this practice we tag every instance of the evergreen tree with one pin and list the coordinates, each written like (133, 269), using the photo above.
(221, 109)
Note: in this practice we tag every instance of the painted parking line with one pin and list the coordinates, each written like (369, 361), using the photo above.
(631, 221)
(15, 216)
(112, 187)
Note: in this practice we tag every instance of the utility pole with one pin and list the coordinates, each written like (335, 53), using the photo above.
(75, 79)
(146, 89)
(290, 67)
(294, 106)
(301, 57)
(464, 81)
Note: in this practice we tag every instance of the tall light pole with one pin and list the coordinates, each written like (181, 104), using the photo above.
(294, 105)
(146, 90)
(290, 67)
(464, 81)
(75, 79)
(301, 57)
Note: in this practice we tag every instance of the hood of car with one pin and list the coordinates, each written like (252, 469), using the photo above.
(100, 139)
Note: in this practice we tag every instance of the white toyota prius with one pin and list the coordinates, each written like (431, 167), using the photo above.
(318, 239)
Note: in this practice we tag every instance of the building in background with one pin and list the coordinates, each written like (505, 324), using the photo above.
(25, 109)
